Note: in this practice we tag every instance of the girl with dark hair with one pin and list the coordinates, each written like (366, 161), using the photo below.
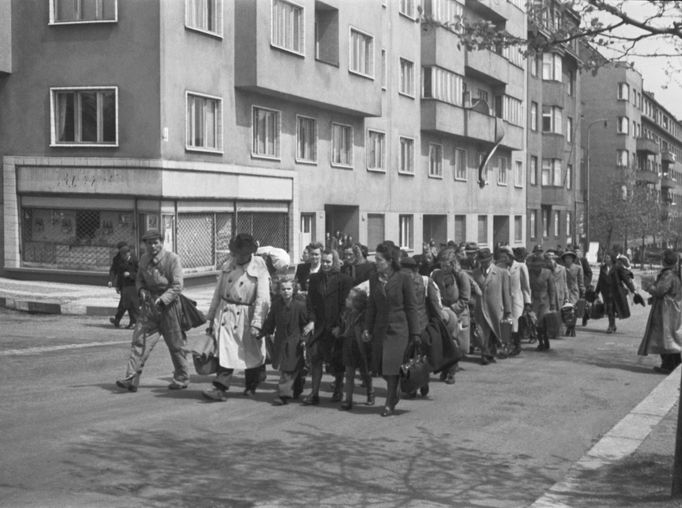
(391, 320)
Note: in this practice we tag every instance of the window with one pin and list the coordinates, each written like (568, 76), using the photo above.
(557, 217)
(205, 16)
(569, 129)
(482, 229)
(448, 12)
(435, 160)
(623, 92)
(556, 172)
(442, 85)
(204, 123)
(83, 11)
(534, 66)
(287, 26)
(406, 155)
(306, 139)
(518, 174)
(384, 70)
(569, 176)
(406, 77)
(405, 223)
(513, 54)
(569, 224)
(326, 34)
(571, 83)
(622, 157)
(266, 130)
(460, 164)
(551, 119)
(509, 109)
(551, 67)
(546, 172)
(545, 222)
(376, 150)
(623, 125)
(503, 165)
(534, 116)
(532, 224)
(518, 228)
(533, 170)
(460, 228)
(551, 172)
(376, 229)
(84, 116)
(408, 8)
(361, 53)
(342, 145)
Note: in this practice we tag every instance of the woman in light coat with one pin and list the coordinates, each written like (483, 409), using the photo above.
(519, 283)
(663, 335)
(238, 309)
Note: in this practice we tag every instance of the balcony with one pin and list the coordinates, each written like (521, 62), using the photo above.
(647, 146)
(492, 10)
(668, 182)
(5, 37)
(487, 65)
(556, 196)
(646, 176)
(667, 157)
(263, 68)
(437, 116)
(439, 47)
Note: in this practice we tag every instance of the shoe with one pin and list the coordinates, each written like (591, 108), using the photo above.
(424, 390)
(450, 380)
(515, 352)
(310, 400)
(131, 325)
(346, 405)
(337, 397)
(541, 347)
(388, 411)
(126, 384)
(177, 386)
(492, 359)
(443, 376)
(370, 399)
(484, 361)
(279, 401)
(610, 330)
(114, 322)
(215, 394)
(249, 392)
(662, 370)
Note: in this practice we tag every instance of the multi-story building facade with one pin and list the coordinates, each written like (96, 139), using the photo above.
(555, 194)
(287, 119)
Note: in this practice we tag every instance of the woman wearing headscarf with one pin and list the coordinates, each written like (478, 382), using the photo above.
(663, 335)
(612, 283)
(238, 309)
(391, 319)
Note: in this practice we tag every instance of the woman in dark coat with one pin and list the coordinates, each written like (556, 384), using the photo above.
(391, 319)
(612, 283)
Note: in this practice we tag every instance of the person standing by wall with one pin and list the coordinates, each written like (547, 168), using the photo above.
(122, 276)
(159, 283)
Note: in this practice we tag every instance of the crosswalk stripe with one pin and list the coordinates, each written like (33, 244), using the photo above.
(47, 349)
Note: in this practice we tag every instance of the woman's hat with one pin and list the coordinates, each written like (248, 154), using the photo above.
(484, 254)
(243, 242)
(569, 253)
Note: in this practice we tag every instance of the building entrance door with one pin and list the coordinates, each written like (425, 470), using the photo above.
(343, 220)
(500, 230)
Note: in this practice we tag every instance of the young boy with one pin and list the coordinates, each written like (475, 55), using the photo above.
(286, 319)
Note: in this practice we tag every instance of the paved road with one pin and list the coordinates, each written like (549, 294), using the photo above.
(498, 438)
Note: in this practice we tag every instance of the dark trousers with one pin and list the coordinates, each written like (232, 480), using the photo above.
(128, 302)
(610, 309)
(252, 378)
(670, 361)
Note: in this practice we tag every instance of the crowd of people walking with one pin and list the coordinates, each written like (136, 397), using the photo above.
(341, 312)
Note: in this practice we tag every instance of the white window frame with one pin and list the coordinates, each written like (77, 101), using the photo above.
(555, 114)
(300, 159)
(384, 69)
(569, 176)
(557, 173)
(407, 78)
(623, 91)
(401, 161)
(76, 89)
(382, 137)
(568, 220)
(435, 160)
(569, 129)
(406, 231)
(55, 21)
(365, 35)
(446, 86)
(217, 10)
(556, 219)
(502, 171)
(533, 170)
(278, 132)
(332, 147)
(552, 67)
(534, 116)
(408, 8)
(622, 158)
(301, 24)
(218, 125)
(460, 165)
(518, 174)
(623, 121)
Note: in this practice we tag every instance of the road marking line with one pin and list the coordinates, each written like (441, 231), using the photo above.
(47, 349)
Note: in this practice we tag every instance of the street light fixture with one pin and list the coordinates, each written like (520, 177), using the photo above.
(587, 186)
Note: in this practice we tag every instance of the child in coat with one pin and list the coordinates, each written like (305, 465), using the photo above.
(287, 318)
(355, 351)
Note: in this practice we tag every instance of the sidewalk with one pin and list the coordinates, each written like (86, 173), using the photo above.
(56, 298)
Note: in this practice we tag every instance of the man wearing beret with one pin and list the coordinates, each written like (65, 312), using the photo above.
(159, 283)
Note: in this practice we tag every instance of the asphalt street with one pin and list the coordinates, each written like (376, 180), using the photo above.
(499, 437)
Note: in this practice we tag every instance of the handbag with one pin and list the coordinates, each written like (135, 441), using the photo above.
(597, 311)
(414, 373)
(204, 351)
(552, 324)
(191, 317)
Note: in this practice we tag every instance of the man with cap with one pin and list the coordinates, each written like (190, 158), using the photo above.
(575, 284)
(542, 294)
(520, 291)
(122, 276)
(159, 283)
(494, 304)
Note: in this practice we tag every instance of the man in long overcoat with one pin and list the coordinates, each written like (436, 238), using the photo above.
(542, 295)
(520, 291)
(493, 305)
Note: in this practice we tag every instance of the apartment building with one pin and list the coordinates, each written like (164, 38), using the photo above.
(287, 119)
(555, 193)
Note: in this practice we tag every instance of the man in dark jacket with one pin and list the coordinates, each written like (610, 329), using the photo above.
(587, 278)
(122, 276)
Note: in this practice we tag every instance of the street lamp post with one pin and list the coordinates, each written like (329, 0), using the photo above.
(587, 183)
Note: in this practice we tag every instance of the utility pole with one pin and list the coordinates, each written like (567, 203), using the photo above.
(588, 202)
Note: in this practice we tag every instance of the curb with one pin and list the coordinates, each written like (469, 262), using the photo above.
(624, 438)
(38, 307)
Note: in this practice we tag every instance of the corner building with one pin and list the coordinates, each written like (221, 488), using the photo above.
(284, 119)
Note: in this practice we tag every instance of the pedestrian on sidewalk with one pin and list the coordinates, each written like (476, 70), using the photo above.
(613, 283)
(542, 295)
(240, 304)
(159, 283)
(519, 283)
(575, 284)
(122, 276)
(663, 335)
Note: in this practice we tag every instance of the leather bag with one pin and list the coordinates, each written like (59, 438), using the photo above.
(414, 373)
(191, 316)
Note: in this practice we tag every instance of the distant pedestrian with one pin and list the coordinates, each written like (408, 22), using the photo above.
(542, 295)
(519, 281)
(663, 335)
(159, 283)
(122, 276)
(613, 283)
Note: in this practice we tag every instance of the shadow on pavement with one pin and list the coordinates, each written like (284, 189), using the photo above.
(307, 466)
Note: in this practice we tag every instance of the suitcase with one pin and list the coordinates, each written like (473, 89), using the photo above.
(552, 323)
(506, 328)
(580, 306)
